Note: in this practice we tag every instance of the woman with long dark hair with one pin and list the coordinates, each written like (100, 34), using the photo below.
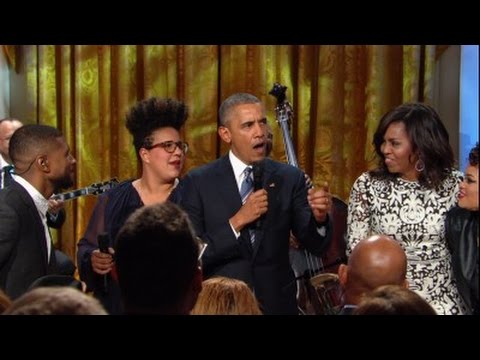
(407, 197)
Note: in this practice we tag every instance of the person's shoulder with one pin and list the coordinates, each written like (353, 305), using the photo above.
(119, 190)
(456, 175)
(206, 169)
(12, 192)
(283, 167)
(457, 212)
(365, 177)
(450, 183)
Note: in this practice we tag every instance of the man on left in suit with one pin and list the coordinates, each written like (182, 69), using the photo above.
(43, 165)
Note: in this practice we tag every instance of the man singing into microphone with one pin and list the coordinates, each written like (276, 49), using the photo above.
(244, 206)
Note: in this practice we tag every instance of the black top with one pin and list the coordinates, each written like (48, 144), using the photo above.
(462, 235)
(112, 210)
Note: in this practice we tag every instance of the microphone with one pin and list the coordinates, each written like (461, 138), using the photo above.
(103, 243)
(258, 168)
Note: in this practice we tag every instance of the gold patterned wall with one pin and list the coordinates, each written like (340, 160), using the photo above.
(338, 94)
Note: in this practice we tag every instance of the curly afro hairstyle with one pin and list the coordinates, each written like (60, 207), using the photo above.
(152, 114)
(473, 156)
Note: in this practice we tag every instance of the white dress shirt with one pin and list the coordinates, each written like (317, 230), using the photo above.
(42, 207)
(238, 170)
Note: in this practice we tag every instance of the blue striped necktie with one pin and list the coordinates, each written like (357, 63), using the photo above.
(245, 190)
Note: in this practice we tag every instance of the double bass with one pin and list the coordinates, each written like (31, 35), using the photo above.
(318, 292)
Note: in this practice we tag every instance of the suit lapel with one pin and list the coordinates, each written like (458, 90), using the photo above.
(228, 193)
(270, 185)
(227, 189)
(38, 229)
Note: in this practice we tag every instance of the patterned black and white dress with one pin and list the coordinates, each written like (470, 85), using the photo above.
(415, 216)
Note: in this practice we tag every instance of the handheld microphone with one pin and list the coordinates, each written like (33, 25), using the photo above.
(258, 168)
(103, 243)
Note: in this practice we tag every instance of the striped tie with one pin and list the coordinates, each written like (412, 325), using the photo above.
(245, 189)
(247, 184)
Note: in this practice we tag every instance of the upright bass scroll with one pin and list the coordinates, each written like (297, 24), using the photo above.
(284, 113)
(320, 291)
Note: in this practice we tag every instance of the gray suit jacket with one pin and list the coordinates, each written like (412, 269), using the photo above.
(23, 248)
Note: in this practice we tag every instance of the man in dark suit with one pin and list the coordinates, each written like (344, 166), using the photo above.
(56, 212)
(43, 165)
(248, 235)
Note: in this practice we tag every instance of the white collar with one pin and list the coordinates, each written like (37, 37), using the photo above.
(40, 202)
(237, 165)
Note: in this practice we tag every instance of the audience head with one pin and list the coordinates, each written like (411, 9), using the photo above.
(226, 296)
(412, 142)
(155, 125)
(56, 281)
(157, 261)
(40, 154)
(393, 300)
(468, 196)
(243, 125)
(55, 301)
(7, 128)
(375, 261)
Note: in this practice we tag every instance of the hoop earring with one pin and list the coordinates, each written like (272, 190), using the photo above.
(419, 165)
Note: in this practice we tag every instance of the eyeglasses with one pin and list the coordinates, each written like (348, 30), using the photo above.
(170, 146)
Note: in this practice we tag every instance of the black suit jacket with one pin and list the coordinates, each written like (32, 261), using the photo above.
(54, 221)
(23, 248)
(210, 196)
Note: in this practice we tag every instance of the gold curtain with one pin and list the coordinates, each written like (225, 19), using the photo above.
(338, 94)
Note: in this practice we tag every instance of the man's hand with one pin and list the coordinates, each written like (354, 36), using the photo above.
(54, 206)
(255, 206)
(320, 200)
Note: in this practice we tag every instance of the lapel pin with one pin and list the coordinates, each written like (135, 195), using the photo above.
(272, 185)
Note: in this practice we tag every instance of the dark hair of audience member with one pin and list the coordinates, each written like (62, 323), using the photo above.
(393, 300)
(62, 300)
(157, 260)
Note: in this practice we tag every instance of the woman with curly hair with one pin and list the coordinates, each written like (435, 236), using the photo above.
(462, 235)
(155, 125)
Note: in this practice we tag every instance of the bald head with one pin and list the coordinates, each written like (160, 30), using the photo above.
(7, 128)
(375, 261)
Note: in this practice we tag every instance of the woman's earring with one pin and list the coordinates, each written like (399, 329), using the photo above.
(419, 165)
